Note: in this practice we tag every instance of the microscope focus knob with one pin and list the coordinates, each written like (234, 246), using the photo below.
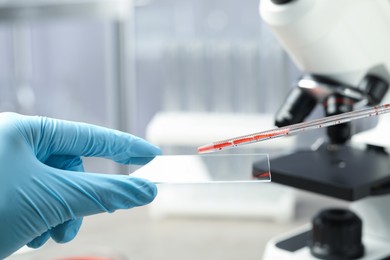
(336, 234)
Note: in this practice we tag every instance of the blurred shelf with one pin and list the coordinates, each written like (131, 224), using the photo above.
(27, 10)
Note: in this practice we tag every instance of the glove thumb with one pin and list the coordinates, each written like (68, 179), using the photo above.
(74, 195)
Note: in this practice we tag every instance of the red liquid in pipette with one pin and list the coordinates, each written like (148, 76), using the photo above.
(295, 128)
(242, 140)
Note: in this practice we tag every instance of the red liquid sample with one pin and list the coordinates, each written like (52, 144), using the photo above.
(242, 140)
(262, 176)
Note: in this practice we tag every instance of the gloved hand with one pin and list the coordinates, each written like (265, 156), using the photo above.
(43, 190)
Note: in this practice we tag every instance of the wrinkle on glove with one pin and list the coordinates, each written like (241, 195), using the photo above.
(44, 191)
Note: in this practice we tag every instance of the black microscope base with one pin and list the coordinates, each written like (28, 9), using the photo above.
(343, 172)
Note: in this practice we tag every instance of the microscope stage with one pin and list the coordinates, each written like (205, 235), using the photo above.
(343, 172)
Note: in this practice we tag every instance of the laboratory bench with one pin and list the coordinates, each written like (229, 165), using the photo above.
(136, 235)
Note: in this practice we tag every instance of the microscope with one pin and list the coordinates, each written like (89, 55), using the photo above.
(343, 49)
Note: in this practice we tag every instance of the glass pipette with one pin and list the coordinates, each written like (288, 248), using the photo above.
(294, 129)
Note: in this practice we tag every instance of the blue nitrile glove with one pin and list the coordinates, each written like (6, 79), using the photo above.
(43, 190)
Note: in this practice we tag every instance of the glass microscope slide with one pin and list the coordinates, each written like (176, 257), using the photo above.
(204, 168)
(294, 129)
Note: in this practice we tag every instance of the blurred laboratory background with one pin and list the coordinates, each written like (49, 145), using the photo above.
(189, 56)
(180, 73)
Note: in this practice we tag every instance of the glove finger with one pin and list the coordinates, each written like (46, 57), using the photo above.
(62, 233)
(39, 241)
(67, 231)
(53, 136)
